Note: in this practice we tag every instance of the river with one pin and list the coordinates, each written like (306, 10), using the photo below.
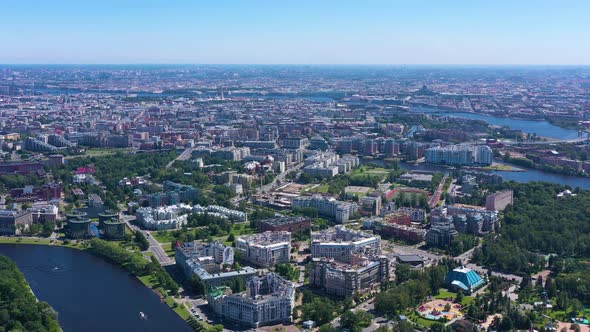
(541, 128)
(527, 175)
(89, 293)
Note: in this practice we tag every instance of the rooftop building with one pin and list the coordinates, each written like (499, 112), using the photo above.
(346, 280)
(460, 155)
(330, 207)
(166, 217)
(341, 243)
(209, 261)
(15, 222)
(464, 279)
(265, 249)
(289, 224)
(268, 300)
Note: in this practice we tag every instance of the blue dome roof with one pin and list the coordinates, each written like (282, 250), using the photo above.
(464, 278)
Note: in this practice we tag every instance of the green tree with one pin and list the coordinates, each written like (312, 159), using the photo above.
(320, 310)
(402, 273)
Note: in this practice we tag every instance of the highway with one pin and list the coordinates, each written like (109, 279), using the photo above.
(185, 155)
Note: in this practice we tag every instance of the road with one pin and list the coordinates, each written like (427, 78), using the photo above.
(438, 193)
(390, 246)
(185, 155)
(463, 258)
(280, 177)
(155, 246)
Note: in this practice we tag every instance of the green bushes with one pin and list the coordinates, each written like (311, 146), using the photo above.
(19, 309)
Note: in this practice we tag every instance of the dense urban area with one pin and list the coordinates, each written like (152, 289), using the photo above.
(301, 198)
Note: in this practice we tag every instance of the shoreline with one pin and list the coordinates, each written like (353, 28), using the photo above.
(144, 280)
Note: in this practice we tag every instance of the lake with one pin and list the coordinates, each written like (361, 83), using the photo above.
(89, 293)
(541, 128)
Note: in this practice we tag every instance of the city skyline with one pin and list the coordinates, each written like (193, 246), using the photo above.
(261, 32)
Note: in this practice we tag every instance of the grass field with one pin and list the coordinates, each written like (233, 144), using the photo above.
(21, 240)
(168, 248)
(163, 236)
(370, 170)
(241, 229)
(320, 189)
(445, 294)
(502, 167)
(414, 317)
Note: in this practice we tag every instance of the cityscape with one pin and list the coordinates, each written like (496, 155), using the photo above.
(323, 195)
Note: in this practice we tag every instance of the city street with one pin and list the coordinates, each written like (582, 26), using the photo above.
(155, 246)
(185, 155)
(280, 177)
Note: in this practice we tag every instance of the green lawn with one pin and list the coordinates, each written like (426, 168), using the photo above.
(241, 229)
(149, 281)
(163, 236)
(182, 311)
(320, 189)
(445, 294)
(19, 240)
(414, 317)
(169, 249)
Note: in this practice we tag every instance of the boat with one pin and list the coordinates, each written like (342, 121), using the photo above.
(142, 315)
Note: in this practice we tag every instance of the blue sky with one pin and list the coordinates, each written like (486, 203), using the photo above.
(296, 31)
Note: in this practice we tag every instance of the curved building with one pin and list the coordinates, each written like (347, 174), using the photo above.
(75, 215)
(107, 216)
(78, 228)
(113, 229)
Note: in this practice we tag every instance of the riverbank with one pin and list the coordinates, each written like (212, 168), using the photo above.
(541, 128)
(500, 167)
(22, 310)
(150, 280)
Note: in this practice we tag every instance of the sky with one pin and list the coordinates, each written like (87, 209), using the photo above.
(485, 32)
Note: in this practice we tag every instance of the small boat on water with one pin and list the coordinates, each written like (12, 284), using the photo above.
(142, 315)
